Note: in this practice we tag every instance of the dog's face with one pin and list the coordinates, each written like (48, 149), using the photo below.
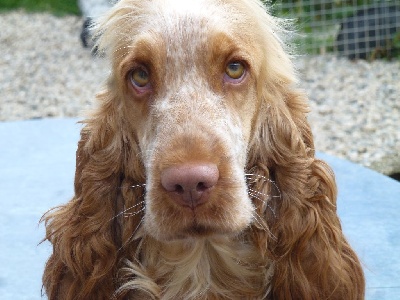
(188, 78)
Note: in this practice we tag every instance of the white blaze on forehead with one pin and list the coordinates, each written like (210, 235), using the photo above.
(198, 11)
(183, 6)
(187, 6)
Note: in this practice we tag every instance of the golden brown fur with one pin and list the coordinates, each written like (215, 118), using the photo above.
(269, 229)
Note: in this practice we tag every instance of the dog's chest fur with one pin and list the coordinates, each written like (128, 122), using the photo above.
(215, 268)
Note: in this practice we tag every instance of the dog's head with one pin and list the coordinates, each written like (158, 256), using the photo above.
(192, 81)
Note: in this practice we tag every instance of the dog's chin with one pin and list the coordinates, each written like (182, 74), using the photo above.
(195, 231)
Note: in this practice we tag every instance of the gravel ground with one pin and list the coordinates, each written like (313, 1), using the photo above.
(44, 72)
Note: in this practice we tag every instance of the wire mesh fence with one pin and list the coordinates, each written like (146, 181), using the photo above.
(365, 29)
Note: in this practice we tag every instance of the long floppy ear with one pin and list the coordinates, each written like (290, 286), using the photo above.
(312, 258)
(86, 233)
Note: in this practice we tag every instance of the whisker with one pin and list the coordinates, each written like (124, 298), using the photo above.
(132, 235)
(129, 208)
(133, 210)
(127, 215)
(260, 193)
(138, 185)
(266, 196)
(268, 180)
(125, 47)
(135, 186)
(266, 203)
(257, 218)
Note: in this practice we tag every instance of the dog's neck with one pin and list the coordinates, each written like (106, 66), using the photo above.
(206, 268)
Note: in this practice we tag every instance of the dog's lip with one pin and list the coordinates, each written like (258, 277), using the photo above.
(189, 206)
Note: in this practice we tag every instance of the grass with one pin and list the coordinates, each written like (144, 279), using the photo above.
(56, 7)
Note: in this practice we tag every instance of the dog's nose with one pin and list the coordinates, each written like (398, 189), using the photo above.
(190, 184)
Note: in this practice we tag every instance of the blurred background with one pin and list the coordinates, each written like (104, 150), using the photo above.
(357, 29)
(347, 53)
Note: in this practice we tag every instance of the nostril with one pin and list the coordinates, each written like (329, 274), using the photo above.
(201, 187)
(179, 189)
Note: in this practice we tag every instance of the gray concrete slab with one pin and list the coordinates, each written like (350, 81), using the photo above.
(37, 164)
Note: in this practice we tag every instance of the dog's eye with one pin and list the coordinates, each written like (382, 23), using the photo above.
(235, 70)
(140, 77)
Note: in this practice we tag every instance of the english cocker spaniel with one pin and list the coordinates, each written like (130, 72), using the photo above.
(196, 176)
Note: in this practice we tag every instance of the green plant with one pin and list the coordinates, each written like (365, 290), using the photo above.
(395, 42)
(318, 23)
(56, 7)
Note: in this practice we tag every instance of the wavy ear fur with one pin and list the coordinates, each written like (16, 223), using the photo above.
(86, 232)
(312, 258)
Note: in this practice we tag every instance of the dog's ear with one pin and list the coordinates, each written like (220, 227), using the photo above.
(311, 256)
(86, 233)
(91, 233)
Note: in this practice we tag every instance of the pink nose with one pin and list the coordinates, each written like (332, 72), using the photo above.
(190, 184)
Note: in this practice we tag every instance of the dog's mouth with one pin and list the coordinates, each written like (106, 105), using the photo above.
(227, 211)
(182, 222)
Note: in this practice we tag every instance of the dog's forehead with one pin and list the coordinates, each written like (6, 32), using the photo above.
(185, 7)
(188, 19)
(188, 28)
(192, 8)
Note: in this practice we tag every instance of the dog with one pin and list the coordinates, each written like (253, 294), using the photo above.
(196, 175)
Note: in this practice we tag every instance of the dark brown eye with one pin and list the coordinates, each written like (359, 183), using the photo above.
(139, 77)
(235, 70)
